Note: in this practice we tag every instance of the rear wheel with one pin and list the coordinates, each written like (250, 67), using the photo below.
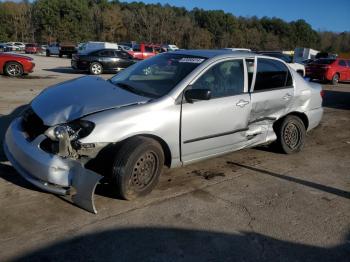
(48, 53)
(335, 79)
(291, 134)
(13, 69)
(137, 167)
(96, 68)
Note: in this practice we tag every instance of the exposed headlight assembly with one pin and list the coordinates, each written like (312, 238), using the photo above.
(74, 130)
(68, 134)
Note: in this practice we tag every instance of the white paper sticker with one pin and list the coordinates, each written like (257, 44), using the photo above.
(191, 60)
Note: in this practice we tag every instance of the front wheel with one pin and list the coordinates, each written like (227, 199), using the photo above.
(48, 53)
(291, 134)
(13, 69)
(96, 68)
(137, 167)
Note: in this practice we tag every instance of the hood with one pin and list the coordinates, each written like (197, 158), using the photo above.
(13, 55)
(76, 98)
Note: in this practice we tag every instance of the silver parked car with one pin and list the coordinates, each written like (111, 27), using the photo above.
(173, 109)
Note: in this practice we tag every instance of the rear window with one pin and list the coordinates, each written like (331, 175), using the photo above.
(324, 61)
(30, 45)
(272, 74)
(342, 63)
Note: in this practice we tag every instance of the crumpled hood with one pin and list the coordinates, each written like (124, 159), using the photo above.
(74, 99)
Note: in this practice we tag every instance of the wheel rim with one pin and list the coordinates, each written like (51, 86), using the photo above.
(335, 79)
(144, 171)
(292, 135)
(96, 69)
(14, 70)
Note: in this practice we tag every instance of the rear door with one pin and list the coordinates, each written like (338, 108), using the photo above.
(343, 70)
(272, 93)
(107, 58)
(217, 125)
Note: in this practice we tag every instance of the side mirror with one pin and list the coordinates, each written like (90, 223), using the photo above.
(197, 94)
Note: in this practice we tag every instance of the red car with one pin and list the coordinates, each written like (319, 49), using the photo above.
(329, 69)
(15, 65)
(142, 51)
(31, 49)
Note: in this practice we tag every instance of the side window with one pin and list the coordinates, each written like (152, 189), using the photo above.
(122, 54)
(106, 53)
(271, 74)
(223, 79)
(342, 63)
(250, 70)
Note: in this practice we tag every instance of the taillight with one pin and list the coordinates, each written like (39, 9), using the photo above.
(322, 93)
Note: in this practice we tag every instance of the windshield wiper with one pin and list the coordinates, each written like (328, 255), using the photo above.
(132, 89)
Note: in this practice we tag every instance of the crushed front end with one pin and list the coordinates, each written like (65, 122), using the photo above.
(52, 158)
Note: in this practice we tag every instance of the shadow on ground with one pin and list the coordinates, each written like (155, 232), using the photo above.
(5, 121)
(171, 244)
(64, 70)
(336, 99)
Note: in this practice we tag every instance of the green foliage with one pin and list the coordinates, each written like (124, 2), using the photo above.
(82, 20)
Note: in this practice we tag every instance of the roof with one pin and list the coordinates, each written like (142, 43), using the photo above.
(209, 53)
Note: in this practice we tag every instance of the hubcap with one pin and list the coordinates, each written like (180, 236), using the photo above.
(144, 171)
(336, 78)
(14, 70)
(291, 135)
(96, 69)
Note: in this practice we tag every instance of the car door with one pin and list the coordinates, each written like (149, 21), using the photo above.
(107, 59)
(218, 125)
(272, 93)
(348, 74)
(343, 70)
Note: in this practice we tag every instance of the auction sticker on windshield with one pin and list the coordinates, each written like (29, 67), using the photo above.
(191, 60)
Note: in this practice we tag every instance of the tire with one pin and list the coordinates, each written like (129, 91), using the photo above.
(60, 55)
(48, 53)
(137, 167)
(291, 134)
(13, 69)
(335, 79)
(95, 68)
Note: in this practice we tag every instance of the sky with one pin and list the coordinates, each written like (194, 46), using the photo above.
(332, 15)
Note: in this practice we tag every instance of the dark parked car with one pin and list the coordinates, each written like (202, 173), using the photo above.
(99, 61)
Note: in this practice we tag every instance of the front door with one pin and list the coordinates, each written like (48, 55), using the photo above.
(215, 126)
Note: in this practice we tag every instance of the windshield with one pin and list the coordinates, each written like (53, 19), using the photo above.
(157, 76)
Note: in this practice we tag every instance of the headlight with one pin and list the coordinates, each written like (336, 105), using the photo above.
(75, 130)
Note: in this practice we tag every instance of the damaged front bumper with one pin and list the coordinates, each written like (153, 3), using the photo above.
(49, 172)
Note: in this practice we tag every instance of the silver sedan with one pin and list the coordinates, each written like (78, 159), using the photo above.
(173, 109)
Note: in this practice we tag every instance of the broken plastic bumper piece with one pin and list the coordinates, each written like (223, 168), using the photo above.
(50, 172)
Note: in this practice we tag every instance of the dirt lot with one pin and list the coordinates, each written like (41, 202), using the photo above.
(253, 204)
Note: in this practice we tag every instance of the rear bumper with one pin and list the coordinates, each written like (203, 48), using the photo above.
(314, 116)
(49, 172)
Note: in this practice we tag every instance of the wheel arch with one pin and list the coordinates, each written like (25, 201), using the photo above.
(12, 61)
(301, 115)
(164, 145)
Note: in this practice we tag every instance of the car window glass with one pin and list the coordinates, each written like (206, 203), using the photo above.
(137, 48)
(106, 53)
(148, 49)
(342, 63)
(271, 74)
(250, 71)
(223, 79)
(348, 62)
(122, 54)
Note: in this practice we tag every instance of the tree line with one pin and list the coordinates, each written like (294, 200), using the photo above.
(76, 21)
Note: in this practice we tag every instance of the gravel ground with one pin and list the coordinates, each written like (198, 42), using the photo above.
(253, 204)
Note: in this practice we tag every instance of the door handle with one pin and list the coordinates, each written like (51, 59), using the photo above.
(242, 103)
(287, 96)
